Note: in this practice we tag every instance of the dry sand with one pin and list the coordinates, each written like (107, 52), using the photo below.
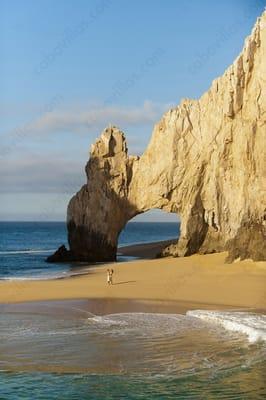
(204, 279)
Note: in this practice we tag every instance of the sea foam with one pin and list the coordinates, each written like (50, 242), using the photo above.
(26, 251)
(250, 324)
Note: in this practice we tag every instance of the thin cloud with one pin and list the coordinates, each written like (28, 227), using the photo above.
(22, 172)
(83, 120)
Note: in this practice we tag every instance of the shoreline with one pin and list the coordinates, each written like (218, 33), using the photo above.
(198, 279)
(104, 306)
(100, 307)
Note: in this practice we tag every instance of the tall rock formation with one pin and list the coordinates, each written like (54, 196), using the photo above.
(205, 162)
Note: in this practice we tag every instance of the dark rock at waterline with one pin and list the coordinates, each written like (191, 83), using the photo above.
(88, 245)
(60, 255)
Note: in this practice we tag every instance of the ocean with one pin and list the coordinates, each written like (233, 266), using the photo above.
(82, 350)
(25, 245)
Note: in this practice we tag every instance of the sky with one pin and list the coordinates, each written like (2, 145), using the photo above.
(69, 68)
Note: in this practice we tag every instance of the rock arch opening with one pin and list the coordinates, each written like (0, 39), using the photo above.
(148, 234)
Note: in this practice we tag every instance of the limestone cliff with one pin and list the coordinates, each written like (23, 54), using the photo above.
(205, 162)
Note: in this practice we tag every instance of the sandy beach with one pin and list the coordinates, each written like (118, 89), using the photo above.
(203, 280)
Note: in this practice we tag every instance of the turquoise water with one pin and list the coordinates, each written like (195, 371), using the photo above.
(241, 384)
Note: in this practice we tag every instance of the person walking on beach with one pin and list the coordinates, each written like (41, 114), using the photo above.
(109, 277)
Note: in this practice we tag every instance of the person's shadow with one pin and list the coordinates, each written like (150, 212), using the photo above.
(122, 283)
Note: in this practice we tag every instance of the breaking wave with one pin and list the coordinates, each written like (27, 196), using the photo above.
(250, 324)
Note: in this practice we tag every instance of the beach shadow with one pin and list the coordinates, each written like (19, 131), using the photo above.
(121, 283)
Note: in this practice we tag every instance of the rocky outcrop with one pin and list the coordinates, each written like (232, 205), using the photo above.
(249, 242)
(100, 210)
(62, 254)
(205, 162)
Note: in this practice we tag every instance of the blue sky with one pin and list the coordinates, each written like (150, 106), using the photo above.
(69, 68)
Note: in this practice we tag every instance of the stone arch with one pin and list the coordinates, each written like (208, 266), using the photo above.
(119, 188)
(202, 162)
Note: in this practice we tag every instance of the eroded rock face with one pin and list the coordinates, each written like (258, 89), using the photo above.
(205, 162)
(100, 210)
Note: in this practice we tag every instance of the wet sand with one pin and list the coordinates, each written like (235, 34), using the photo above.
(81, 307)
(199, 279)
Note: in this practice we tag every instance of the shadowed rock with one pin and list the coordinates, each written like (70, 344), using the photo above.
(61, 255)
(249, 242)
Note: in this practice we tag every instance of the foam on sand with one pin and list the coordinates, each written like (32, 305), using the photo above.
(250, 324)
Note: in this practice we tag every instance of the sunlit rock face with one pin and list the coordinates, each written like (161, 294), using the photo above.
(205, 162)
